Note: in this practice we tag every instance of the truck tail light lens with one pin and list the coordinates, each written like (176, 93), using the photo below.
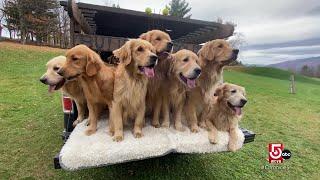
(67, 104)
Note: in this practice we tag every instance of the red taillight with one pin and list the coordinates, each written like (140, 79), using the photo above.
(67, 104)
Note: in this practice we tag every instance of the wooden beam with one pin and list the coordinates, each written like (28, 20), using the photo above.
(99, 43)
(108, 43)
(201, 35)
(75, 13)
(91, 22)
(89, 18)
(89, 15)
(192, 47)
(88, 11)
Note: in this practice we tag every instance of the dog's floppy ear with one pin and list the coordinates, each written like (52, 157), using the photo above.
(145, 36)
(92, 67)
(244, 90)
(207, 52)
(124, 53)
(218, 92)
(172, 64)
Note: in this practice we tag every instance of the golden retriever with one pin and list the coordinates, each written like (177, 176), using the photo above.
(72, 88)
(225, 112)
(157, 92)
(213, 56)
(183, 73)
(97, 80)
(137, 61)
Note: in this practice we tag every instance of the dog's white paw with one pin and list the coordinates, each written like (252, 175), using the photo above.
(118, 138)
(213, 140)
(90, 131)
(165, 124)
(155, 124)
(137, 134)
(232, 147)
(180, 128)
(194, 129)
(203, 125)
(75, 123)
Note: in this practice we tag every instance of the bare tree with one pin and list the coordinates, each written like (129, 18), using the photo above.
(1, 16)
(318, 71)
(237, 40)
(62, 36)
(307, 71)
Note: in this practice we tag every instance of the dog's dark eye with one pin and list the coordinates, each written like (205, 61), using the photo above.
(233, 91)
(56, 68)
(186, 59)
(220, 46)
(140, 49)
(74, 58)
(158, 39)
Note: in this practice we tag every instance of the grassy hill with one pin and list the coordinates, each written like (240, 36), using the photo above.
(31, 124)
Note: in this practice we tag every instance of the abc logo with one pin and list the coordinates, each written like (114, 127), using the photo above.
(277, 153)
(286, 154)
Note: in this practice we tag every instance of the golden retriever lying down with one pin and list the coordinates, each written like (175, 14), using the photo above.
(213, 56)
(137, 61)
(183, 73)
(71, 88)
(95, 77)
(225, 112)
(157, 87)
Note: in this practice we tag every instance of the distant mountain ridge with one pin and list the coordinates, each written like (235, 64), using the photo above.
(296, 65)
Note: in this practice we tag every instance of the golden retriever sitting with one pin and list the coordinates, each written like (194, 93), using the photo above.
(225, 112)
(184, 71)
(71, 88)
(157, 88)
(96, 79)
(137, 61)
(213, 56)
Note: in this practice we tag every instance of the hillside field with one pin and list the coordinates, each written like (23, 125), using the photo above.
(31, 122)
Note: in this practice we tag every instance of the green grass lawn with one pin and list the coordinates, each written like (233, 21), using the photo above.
(31, 122)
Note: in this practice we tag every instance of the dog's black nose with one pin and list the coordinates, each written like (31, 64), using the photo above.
(197, 71)
(153, 59)
(43, 80)
(243, 102)
(60, 72)
(169, 45)
(235, 54)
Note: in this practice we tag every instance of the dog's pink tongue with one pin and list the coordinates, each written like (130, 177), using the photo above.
(51, 88)
(238, 111)
(191, 83)
(149, 71)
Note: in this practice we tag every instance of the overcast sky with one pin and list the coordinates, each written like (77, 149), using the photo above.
(275, 30)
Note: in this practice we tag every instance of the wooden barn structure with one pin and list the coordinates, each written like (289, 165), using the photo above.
(105, 29)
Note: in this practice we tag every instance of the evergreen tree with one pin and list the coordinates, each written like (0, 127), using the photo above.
(179, 8)
(29, 18)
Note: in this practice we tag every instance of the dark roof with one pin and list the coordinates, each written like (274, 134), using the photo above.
(119, 22)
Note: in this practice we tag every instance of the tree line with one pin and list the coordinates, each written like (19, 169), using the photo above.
(310, 71)
(43, 22)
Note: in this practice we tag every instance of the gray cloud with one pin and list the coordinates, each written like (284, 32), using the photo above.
(274, 30)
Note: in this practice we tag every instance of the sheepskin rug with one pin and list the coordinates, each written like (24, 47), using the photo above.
(81, 151)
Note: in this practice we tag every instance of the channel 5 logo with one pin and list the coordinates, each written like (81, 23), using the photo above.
(277, 153)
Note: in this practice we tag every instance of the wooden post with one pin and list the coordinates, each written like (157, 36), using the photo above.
(292, 85)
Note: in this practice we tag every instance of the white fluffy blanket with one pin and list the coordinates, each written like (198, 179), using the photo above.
(81, 151)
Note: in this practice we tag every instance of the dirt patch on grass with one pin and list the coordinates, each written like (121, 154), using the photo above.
(18, 46)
